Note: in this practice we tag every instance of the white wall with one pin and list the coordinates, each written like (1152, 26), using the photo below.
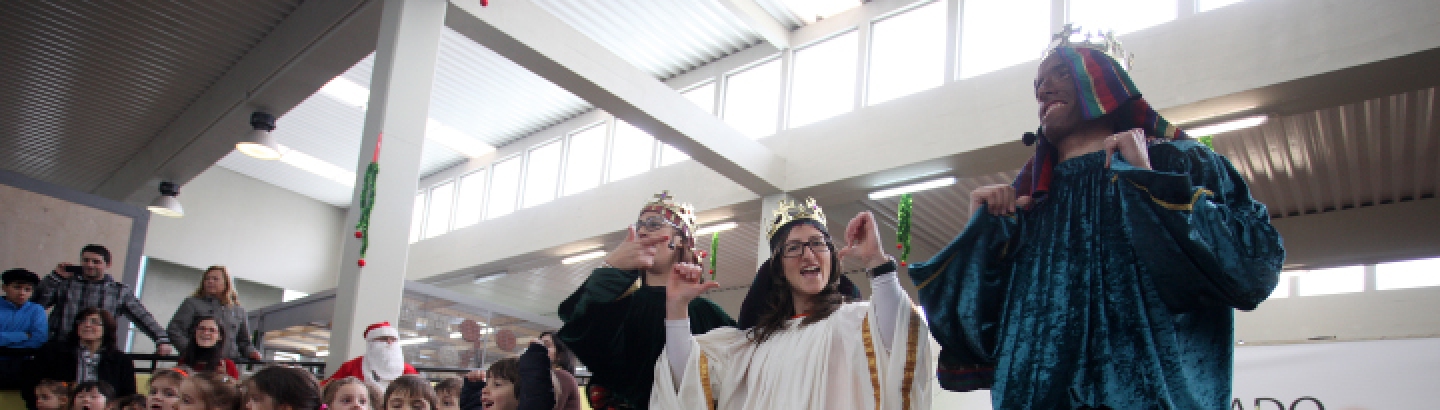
(261, 232)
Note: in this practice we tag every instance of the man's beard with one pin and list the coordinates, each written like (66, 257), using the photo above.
(383, 361)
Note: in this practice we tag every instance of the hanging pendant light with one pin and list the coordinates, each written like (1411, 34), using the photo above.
(167, 204)
(259, 143)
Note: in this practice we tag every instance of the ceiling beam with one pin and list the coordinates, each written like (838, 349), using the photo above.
(528, 35)
(315, 43)
(754, 16)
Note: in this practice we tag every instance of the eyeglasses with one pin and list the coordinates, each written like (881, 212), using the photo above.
(94, 321)
(795, 249)
(654, 223)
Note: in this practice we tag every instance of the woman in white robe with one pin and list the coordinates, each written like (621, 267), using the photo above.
(803, 342)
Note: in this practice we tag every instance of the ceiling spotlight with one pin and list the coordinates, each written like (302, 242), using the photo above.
(259, 143)
(166, 204)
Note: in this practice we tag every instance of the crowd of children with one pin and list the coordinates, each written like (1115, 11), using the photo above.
(287, 388)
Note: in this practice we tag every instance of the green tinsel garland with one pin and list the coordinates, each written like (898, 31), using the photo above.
(902, 227)
(367, 204)
(714, 248)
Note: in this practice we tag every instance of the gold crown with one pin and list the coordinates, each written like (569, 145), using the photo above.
(1107, 44)
(682, 214)
(789, 211)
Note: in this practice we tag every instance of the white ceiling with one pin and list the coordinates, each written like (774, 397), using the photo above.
(493, 100)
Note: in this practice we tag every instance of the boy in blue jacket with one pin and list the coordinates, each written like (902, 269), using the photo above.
(22, 324)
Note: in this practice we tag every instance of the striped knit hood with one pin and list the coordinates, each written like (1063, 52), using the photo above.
(1103, 88)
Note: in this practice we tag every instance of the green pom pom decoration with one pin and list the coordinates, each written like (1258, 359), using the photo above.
(714, 249)
(367, 204)
(1208, 140)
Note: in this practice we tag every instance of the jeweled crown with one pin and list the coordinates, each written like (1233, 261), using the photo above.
(789, 211)
(682, 214)
(1099, 40)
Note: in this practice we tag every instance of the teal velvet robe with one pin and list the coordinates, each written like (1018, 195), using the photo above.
(1117, 290)
(615, 325)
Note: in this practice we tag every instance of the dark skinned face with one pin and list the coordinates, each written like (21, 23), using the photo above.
(1058, 100)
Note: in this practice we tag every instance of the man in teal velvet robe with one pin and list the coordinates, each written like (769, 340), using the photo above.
(615, 321)
(1107, 276)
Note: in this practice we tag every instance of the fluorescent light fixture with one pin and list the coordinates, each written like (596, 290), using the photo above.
(1228, 126)
(347, 92)
(583, 257)
(322, 353)
(489, 277)
(455, 139)
(917, 187)
(317, 166)
(716, 228)
(413, 341)
(456, 335)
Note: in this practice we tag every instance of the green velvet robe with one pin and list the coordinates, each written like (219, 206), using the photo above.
(616, 327)
(1117, 290)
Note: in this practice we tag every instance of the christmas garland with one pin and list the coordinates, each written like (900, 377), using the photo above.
(902, 227)
(367, 202)
(1208, 140)
(714, 247)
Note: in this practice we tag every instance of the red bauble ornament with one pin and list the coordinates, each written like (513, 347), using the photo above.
(359, 234)
(899, 246)
(904, 264)
(361, 263)
(712, 271)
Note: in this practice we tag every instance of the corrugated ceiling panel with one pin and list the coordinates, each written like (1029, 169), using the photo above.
(661, 37)
(88, 84)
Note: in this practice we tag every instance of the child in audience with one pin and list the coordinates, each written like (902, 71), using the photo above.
(22, 325)
(131, 402)
(282, 388)
(447, 391)
(165, 389)
(92, 395)
(209, 391)
(523, 383)
(350, 393)
(409, 392)
(52, 395)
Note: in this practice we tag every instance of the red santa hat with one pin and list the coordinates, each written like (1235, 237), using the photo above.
(381, 329)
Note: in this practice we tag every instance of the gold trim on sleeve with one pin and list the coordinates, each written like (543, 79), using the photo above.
(870, 357)
(910, 351)
(633, 288)
(705, 381)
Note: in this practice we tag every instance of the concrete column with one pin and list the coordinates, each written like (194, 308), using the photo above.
(399, 104)
(768, 204)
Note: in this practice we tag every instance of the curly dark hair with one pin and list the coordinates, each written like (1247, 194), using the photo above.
(779, 303)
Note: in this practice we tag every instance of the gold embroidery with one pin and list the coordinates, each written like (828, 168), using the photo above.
(910, 346)
(870, 356)
(633, 287)
(705, 380)
(938, 270)
(1174, 206)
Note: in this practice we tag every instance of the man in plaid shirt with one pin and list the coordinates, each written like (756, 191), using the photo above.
(69, 293)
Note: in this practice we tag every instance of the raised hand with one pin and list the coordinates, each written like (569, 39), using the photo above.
(685, 283)
(635, 253)
(1131, 145)
(60, 270)
(862, 240)
(1000, 198)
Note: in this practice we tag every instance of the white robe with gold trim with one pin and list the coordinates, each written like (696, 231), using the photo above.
(835, 364)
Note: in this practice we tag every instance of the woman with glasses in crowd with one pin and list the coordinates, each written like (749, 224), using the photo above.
(90, 355)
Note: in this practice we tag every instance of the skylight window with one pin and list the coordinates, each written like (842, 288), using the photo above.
(824, 79)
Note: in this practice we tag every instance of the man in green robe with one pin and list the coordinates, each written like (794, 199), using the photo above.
(1107, 276)
(614, 323)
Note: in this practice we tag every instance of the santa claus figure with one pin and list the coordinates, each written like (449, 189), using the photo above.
(382, 362)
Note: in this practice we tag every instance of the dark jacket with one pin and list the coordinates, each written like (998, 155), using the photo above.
(537, 392)
(70, 296)
(58, 361)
